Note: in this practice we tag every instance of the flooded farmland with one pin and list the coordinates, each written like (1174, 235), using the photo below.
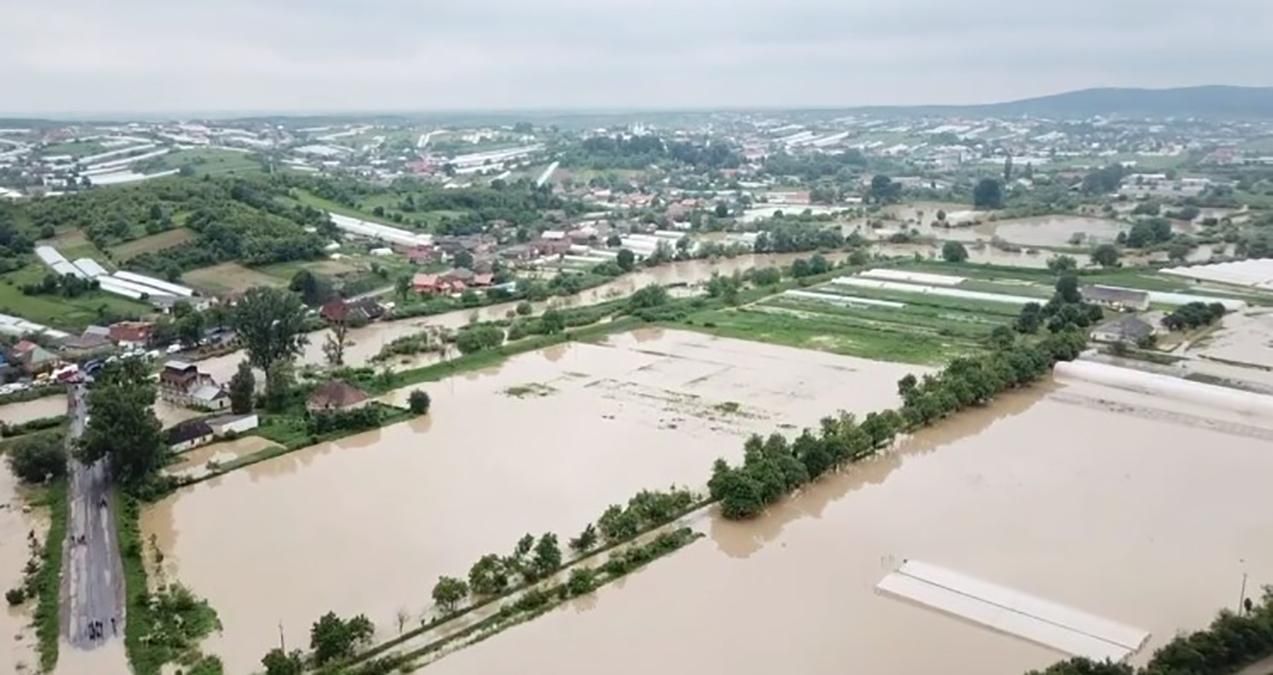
(1071, 492)
(16, 634)
(25, 411)
(544, 441)
(367, 341)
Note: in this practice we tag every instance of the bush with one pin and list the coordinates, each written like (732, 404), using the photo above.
(15, 596)
(35, 459)
(419, 401)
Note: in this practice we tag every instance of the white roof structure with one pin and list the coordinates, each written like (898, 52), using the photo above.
(860, 282)
(57, 262)
(842, 300)
(161, 286)
(1057, 626)
(17, 326)
(386, 233)
(915, 277)
(90, 267)
(1253, 273)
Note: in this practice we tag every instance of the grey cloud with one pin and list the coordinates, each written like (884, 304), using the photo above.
(148, 55)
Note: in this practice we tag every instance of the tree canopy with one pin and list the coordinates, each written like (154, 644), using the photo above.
(271, 323)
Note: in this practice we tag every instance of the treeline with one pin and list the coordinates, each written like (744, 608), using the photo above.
(639, 152)
(1230, 643)
(774, 467)
(786, 235)
(1193, 315)
(519, 203)
(845, 165)
(65, 285)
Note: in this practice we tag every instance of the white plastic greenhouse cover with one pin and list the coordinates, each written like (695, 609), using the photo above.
(933, 290)
(1210, 395)
(916, 277)
(162, 286)
(1057, 626)
(842, 299)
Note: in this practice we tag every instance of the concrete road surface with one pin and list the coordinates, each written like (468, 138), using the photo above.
(92, 571)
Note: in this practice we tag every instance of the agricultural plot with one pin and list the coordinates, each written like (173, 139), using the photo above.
(152, 243)
(206, 162)
(228, 278)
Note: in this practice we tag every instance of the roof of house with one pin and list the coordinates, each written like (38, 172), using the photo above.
(1129, 327)
(227, 419)
(208, 392)
(334, 310)
(178, 365)
(336, 394)
(1119, 295)
(188, 431)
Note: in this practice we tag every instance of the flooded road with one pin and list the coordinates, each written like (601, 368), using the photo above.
(16, 634)
(543, 442)
(367, 341)
(1144, 517)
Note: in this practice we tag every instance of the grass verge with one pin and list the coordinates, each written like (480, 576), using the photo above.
(47, 626)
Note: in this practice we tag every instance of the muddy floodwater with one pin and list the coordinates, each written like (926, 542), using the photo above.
(366, 342)
(543, 442)
(18, 639)
(25, 411)
(1111, 502)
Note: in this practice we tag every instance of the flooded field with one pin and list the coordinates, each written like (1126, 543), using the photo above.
(1148, 517)
(543, 442)
(25, 411)
(367, 341)
(18, 652)
(1054, 230)
(200, 460)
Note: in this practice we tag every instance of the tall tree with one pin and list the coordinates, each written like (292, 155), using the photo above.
(242, 387)
(122, 427)
(334, 346)
(988, 194)
(271, 323)
(1007, 169)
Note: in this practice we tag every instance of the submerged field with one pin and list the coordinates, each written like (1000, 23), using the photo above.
(544, 441)
(1010, 493)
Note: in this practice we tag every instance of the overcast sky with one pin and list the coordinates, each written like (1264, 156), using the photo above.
(86, 56)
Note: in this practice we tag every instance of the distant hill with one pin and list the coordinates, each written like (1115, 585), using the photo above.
(1214, 101)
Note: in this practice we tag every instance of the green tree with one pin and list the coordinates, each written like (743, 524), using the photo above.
(190, 328)
(586, 539)
(1030, 319)
(626, 259)
(884, 190)
(1105, 255)
(464, 259)
(988, 194)
(418, 401)
(547, 555)
(1067, 289)
(488, 575)
(1062, 263)
(722, 210)
(278, 663)
(271, 324)
(402, 286)
(953, 251)
(552, 322)
(313, 290)
(449, 592)
(524, 308)
(122, 426)
(582, 581)
(278, 386)
(242, 389)
(334, 638)
(335, 341)
(40, 457)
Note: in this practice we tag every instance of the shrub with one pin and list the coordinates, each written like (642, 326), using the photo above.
(419, 401)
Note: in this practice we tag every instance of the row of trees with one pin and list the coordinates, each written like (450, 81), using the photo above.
(1193, 315)
(1066, 310)
(1231, 642)
(774, 467)
(65, 285)
(534, 559)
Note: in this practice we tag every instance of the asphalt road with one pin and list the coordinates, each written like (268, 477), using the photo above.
(92, 571)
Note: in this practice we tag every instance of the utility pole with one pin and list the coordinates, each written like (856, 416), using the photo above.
(282, 646)
(1242, 597)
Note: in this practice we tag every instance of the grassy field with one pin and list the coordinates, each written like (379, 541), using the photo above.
(73, 244)
(826, 332)
(70, 314)
(416, 220)
(152, 243)
(227, 278)
(209, 161)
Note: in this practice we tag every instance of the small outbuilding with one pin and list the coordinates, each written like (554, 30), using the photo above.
(189, 434)
(336, 396)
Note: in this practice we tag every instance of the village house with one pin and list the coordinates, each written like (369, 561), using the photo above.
(357, 312)
(336, 396)
(94, 341)
(33, 359)
(182, 383)
(423, 254)
(1128, 329)
(188, 434)
(1119, 299)
(131, 333)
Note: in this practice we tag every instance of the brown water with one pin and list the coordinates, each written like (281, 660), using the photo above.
(194, 463)
(16, 635)
(371, 521)
(366, 342)
(1053, 230)
(1142, 517)
(25, 411)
